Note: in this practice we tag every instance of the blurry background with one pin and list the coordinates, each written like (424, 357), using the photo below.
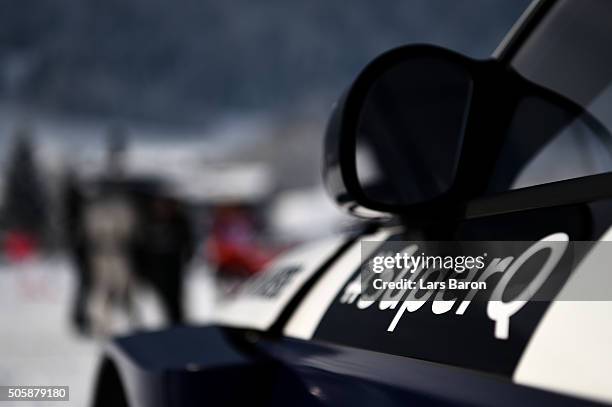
(212, 109)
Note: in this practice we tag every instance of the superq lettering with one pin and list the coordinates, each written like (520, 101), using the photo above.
(402, 298)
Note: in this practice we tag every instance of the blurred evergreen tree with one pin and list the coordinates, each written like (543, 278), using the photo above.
(25, 203)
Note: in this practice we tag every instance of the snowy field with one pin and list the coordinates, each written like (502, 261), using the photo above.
(37, 345)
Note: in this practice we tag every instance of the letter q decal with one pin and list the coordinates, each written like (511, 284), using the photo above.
(500, 311)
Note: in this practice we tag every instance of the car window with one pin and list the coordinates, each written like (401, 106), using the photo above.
(567, 52)
(544, 144)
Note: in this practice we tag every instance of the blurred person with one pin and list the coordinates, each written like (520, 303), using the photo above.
(164, 247)
(117, 148)
(109, 226)
(109, 223)
(74, 208)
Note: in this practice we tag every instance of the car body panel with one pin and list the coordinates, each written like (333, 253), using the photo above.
(570, 350)
(260, 300)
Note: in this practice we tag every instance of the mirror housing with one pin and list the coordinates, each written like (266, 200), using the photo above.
(451, 115)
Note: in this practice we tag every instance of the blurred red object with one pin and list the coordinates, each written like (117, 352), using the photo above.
(238, 260)
(19, 246)
(232, 246)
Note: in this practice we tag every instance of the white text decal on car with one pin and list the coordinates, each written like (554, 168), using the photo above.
(497, 310)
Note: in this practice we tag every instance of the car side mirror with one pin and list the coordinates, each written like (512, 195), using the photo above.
(420, 129)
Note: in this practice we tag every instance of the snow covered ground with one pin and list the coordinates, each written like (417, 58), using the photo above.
(37, 345)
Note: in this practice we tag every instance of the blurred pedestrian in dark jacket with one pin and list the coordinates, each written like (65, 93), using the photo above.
(73, 204)
(164, 247)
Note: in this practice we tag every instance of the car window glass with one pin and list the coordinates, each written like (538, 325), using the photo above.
(545, 144)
